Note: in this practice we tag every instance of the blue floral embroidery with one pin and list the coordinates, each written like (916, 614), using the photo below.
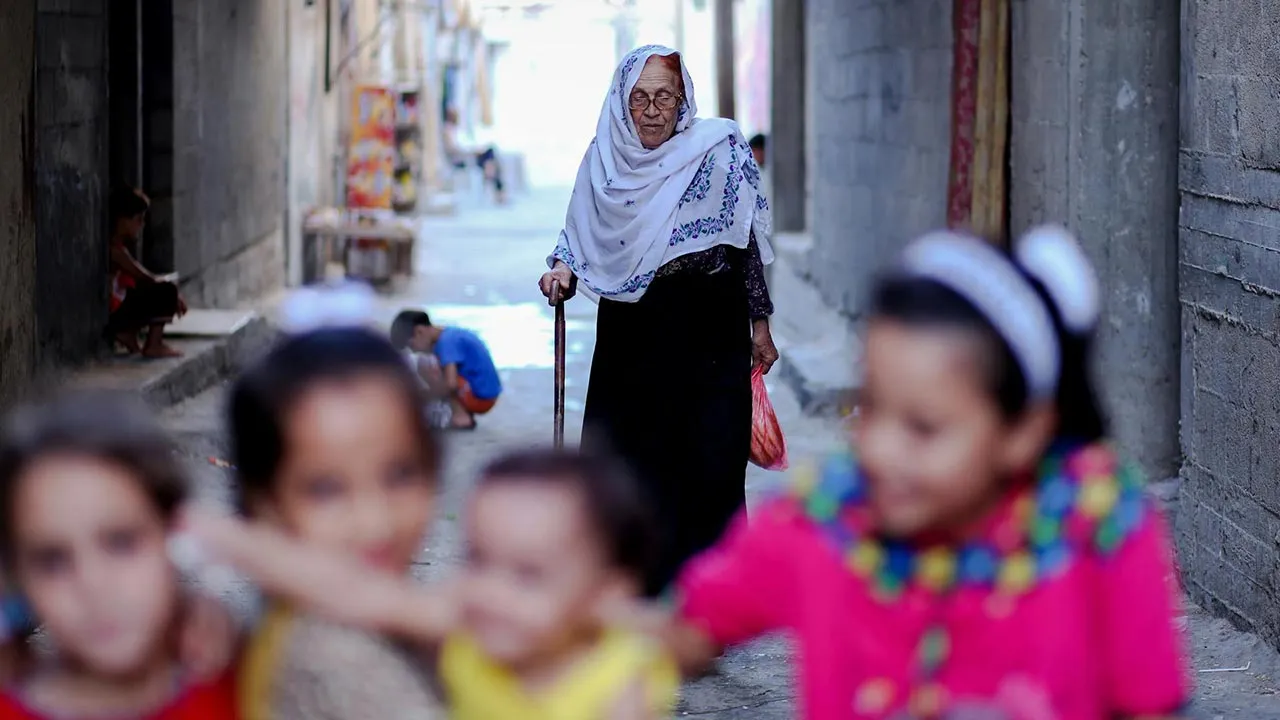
(751, 171)
(701, 184)
(635, 284)
(566, 256)
(630, 63)
(761, 203)
(626, 73)
(723, 220)
(630, 203)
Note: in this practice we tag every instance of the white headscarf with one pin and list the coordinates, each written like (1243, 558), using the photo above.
(633, 210)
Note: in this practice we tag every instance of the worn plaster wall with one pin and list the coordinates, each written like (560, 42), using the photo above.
(17, 199)
(313, 130)
(1094, 139)
(229, 120)
(70, 152)
(1229, 517)
(879, 89)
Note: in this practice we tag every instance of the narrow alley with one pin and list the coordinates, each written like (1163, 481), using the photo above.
(200, 160)
(479, 269)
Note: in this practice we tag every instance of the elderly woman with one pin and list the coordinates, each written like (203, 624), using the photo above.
(667, 227)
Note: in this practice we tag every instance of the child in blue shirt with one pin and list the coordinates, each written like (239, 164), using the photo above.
(470, 379)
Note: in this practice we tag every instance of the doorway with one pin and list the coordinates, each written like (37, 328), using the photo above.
(140, 98)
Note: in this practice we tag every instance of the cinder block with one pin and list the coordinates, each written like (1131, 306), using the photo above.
(1259, 133)
(1214, 110)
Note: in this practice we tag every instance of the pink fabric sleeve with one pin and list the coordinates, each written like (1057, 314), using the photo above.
(742, 587)
(1143, 656)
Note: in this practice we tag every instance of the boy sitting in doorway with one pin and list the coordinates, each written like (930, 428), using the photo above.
(468, 377)
(139, 299)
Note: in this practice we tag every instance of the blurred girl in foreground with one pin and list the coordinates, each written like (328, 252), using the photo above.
(89, 487)
(332, 449)
(979, 551)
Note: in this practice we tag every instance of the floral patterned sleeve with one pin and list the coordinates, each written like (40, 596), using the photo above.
(758, 300)
(723, 257)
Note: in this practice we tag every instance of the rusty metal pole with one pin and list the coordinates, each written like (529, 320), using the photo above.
(725, 64)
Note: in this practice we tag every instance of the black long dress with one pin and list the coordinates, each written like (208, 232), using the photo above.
(670, 391)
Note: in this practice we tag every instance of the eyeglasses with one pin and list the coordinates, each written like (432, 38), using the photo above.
(641, 100)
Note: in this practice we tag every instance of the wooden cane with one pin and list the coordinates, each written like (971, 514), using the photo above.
(560, 341)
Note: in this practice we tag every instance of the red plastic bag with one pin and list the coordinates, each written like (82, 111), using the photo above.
(768, 446)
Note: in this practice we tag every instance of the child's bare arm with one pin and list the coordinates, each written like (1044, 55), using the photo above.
(451, 377)
(329, 585)
(123, 261)
(693, 651)
(634, 704)
(430, 373)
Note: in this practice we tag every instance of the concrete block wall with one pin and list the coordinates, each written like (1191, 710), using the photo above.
(250, 273)
(17, 200)
(229, 136)
(879, 135)
(71, 186)
(1093, 145)
(1229, 286)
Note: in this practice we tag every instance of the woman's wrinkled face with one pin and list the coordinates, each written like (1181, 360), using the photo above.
(354, 478)
(933, 442)
(655, 102)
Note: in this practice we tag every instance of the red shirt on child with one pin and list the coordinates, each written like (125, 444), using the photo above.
(210, 701)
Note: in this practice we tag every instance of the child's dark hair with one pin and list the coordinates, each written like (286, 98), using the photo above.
(127, 201)
(263, 396)
(111, 426)
(403, 326)
(917, 301)
(612, 499)
(757, 141)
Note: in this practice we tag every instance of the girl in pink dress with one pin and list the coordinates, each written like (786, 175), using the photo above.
(985, 556)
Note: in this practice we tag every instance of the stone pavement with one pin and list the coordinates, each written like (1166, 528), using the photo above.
(479, 269)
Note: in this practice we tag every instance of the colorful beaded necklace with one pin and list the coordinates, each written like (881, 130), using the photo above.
(1080, 499)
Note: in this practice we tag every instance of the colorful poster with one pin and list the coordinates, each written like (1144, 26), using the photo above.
(371, 156)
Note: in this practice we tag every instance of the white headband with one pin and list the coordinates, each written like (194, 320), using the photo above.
(984, 277)
(1052, 256)
(345, 304)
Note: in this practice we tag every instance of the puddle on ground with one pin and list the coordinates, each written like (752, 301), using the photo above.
(519, 336)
